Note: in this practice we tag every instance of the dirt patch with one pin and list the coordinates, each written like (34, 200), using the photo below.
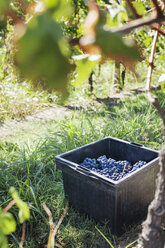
(9, 128)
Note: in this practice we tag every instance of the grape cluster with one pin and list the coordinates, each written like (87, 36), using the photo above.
(111, 168)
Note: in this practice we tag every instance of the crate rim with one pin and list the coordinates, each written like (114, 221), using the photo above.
(109, 137)
(77, 167)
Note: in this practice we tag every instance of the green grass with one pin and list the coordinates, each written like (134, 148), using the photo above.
(27, 153)
(32, 172)
(18, 98)
(30, 167)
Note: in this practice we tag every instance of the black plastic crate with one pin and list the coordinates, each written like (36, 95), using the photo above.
(120, 203)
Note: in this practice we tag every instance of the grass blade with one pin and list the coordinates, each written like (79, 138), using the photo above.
(131, 244)
(105, 237)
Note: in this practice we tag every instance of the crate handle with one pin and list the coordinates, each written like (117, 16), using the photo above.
(90, 174)
(136, 144)
(83, 169)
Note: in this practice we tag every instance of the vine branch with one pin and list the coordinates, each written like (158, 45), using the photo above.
(157, 7)
(157, 27)
(152, 232)
(152, 99)
(145, 21)
(136, 15)
(151, 66)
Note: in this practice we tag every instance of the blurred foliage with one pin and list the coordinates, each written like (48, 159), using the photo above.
(44, 32)
(84, 65)
(24, 213)
(7, 221)
(7, 225)
(43, 51)
(45, 56)
(98, 40)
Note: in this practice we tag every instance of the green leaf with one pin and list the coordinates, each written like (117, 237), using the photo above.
(61, 8)
(114, 10)
(128, 10)
(42, 53)
(147, 41)
(85, 64)
(7, 223)
(4, 4)
(115, 46)
(140, 8)
(50, 3)
(3, 241)
(117, 15)
(24, 213)
(162, 81)
(163, 86)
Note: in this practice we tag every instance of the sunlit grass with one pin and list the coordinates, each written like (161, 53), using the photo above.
(27, 154)
(29, 166)
(17, 100)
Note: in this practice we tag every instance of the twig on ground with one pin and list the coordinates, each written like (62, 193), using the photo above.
(6, 209)
(23, 235)
(53, 229)
(51, 225)
(60, 220)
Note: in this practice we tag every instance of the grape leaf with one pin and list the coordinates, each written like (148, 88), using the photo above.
(7, 223)
(139, 8)
(110, 44)
(24, 213)
(40, 56)
(61, 8)
(163, 86)
(114, 45)
(114, 10)
(117, 15)
(85, 64)
(4, 4)
(3, 241)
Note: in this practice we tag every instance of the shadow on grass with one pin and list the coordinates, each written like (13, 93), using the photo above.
(142, 90)
(109, 102)
(1, 123)
(135, 102)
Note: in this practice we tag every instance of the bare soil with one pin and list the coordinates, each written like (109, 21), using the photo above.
(10, 128)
